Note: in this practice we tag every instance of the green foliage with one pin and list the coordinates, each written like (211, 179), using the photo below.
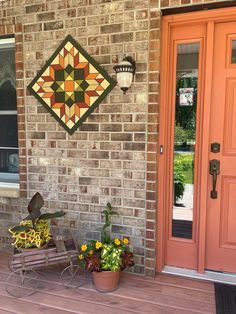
(33, 231)
(178, 185)
(107, 254)
(181, 135)
(183, 165)
(111, 257)
(30, 237)
(99, 256)
(183, 162)
(108, 213)
(47, 216)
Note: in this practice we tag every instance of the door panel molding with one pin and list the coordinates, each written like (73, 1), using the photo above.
(227, 231)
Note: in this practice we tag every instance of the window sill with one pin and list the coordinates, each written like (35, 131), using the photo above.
(9, 190)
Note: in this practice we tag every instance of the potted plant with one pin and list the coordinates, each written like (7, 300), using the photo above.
(106, 258)
(178, 186)
(34, 230)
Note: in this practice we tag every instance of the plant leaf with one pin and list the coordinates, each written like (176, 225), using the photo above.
(20, 228)
(51, 215)
(33, 215)
(35, 203)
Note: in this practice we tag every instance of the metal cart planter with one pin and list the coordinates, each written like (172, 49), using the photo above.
(24, 279)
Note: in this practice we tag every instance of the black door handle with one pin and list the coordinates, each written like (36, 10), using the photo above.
(214, 171)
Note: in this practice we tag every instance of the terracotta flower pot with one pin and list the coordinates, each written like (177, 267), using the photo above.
(106, 281)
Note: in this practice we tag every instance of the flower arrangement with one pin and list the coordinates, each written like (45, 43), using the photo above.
(108, 254)
(34, 230)
(99, 256)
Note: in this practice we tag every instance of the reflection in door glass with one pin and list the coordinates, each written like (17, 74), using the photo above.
(184, 139)
(233, 58)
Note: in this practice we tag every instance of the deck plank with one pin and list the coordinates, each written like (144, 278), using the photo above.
(89, 302)
(137, 294)
(178, 281)
(5, 311)
(9, 304)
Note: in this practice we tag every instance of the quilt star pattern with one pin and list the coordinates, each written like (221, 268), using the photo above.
(71, 85)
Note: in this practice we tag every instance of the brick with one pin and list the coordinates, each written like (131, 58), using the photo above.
(67, 197)
(47, 16)
(134, 127)
(122, 155)
(113, 28)
(110, 146)
(98, 118)
(56, 136)
(121, 137)
(139, 156)
(35, 8)
(110, 108)
(98, 40)
(133, 26)
(134, 146)
(155, 23)
(98, 154)
(78, 136)
(110, 182)
(90, 217)
(89, 127)
(134, 165)
(134, 222)
(121, 38)
(37, 27)
(134, 184)
(121, 118)
(121, 230)
(53, 25)
(78, 22)
(111, 127)
(36, 135)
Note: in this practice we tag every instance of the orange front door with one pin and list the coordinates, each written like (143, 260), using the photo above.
(221, 211)
(198, 78)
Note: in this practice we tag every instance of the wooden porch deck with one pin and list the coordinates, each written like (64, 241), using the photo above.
(137, 294)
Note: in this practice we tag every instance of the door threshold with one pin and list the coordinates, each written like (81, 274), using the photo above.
(227, 278)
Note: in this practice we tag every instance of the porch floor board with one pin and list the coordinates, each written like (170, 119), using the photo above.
(166, 294)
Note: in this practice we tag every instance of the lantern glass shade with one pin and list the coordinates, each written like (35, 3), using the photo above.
(125, 73)
(124, 80)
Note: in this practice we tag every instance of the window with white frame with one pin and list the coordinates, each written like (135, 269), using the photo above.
(9, 157)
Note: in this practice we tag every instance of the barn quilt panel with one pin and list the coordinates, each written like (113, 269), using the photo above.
(71, 84)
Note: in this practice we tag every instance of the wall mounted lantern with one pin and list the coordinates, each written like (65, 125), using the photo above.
(125, 71)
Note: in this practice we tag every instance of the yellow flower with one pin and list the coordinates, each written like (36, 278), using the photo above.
(81, 257)
(117, 241)
(98, 245)
(126, 241)
(84, 247)
(91, 252)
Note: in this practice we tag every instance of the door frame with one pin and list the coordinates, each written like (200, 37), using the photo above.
(168, 22)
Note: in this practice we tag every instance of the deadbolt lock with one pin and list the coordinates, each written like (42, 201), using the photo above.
(215, 147)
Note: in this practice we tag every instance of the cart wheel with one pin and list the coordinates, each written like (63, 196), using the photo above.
(22, 283)
(10, 260)
(72, 276)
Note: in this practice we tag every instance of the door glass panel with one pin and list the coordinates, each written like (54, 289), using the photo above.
(184, 139)
(233, 58)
